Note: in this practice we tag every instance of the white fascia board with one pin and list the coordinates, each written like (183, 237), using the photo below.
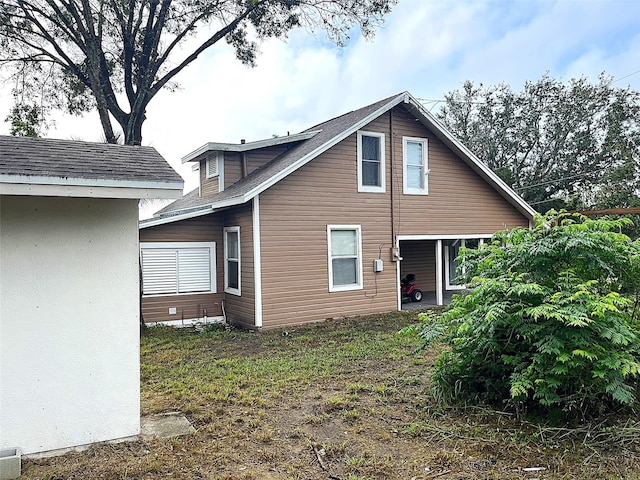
(472, 160)
(456, 236)
(244, 147)
(190, 213)
(153, 222)
(322, 148)
(88, 191)
(34, 181)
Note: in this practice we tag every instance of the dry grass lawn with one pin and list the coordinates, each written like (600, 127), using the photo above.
(347, 399)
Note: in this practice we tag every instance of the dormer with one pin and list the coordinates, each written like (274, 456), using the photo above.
(223, 164)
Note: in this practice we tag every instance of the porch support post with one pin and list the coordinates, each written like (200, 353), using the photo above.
(439, 292)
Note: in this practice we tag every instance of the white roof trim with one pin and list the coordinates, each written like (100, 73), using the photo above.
(463, 151)
(321, 149)
(427, 118)
(87, 191)
(88, 182)
(152, 222)
(243, 147)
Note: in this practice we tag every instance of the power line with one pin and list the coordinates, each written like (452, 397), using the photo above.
(578, 175)
(626, 76)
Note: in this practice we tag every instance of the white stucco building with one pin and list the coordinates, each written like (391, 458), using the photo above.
(69, 289)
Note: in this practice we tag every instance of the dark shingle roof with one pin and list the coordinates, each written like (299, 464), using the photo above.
(329, 130)
(330, 133)
(67, 159)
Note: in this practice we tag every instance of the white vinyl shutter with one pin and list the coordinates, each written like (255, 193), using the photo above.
(159, 271)
(194, 270)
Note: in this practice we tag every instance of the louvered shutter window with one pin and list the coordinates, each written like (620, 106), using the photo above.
(159, 271)
(212, 166)
(194, 270)
(185, 269)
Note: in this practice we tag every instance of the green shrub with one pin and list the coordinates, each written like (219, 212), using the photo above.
(550, 321)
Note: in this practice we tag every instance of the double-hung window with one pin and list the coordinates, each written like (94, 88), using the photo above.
(178, 268)
(345, 257)
(232, 260)
(415, 166)
(371, 169)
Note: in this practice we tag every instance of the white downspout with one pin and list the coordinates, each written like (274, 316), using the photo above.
(257, 262)
(439, 292)
(397, 262)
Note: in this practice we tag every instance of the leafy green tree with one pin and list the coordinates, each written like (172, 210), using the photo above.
(551, 320)
(573, 145)
(116, 55)
(25, 120)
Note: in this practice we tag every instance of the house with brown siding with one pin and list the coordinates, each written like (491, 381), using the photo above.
(323, 224)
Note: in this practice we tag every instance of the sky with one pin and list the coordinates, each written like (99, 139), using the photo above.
(426, 47)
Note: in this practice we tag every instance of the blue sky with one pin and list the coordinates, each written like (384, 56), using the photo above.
(428, 47)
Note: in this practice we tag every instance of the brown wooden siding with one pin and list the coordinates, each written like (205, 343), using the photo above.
(208, 186)
(419, 258)
(202, 229)
(294, 217)
(258, 158)
(295, 213)
(241, 309)
(156, 309)
(232, 168)
(459, 201)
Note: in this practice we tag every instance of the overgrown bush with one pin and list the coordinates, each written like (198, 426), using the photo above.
(551, 319)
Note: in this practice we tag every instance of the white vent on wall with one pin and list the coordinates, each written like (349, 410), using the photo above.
(212, 166)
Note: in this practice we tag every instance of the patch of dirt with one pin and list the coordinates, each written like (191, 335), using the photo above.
(370, 418)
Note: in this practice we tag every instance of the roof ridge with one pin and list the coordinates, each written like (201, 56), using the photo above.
(383, 101)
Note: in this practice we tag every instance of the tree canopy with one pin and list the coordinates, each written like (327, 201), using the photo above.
(573, 145)
(114, 56)
(551, 320)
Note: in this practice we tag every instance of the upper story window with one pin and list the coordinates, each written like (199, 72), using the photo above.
(415, 166)
(345, 257)
(371, 169)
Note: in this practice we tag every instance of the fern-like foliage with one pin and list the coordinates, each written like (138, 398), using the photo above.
(551, 319)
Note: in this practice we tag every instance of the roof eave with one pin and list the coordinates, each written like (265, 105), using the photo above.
(472, 160)
(87, 187)
(323, 148)
(197, 154)
(187, 213)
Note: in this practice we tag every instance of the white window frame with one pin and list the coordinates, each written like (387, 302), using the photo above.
(369, 188)
(425, 166)
(447, 259)
(227, 288)
(358, 284)
(177, 247)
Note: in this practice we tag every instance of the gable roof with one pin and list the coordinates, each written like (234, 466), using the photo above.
(44, 166)
(329, 134)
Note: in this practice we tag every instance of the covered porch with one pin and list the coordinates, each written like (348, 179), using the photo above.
(433, 260)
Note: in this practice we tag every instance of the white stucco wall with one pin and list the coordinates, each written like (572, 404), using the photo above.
(69, 332)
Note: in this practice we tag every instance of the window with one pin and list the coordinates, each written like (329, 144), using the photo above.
(214, 165)
(415, 166)
(371, 170)
(451, 254)
(232, 260)
(178, 268)
(345, 257)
